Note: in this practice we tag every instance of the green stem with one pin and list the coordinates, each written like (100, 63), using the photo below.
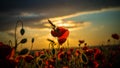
(10, 43)
(19, 21)
(31, 47)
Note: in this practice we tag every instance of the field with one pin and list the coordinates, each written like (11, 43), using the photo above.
(99, 56)
(104, 56)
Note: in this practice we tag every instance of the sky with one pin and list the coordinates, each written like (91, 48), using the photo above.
(91, 20)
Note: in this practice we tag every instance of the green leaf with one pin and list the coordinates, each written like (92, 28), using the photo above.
(40, 62)
(84, 58)
(23, 40)
(53, 51)
(23, 51)
(22, 31)
(32, 40)
(42, 56)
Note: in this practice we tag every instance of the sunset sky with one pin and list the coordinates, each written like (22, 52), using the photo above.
(91, 20)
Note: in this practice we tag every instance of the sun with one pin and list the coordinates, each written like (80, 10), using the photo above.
(64, 23)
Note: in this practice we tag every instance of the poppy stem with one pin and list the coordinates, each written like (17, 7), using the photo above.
(19, 21)
(49, 45)
(31, 47)
(68, 43)
(10, 43)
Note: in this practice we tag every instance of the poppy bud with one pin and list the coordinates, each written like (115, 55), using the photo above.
(115, 36)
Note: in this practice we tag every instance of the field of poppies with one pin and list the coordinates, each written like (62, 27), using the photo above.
(102, 56)
(84, 57)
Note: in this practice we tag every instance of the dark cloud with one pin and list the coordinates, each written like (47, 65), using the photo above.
(10, 10)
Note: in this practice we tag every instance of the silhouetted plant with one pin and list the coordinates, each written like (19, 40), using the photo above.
(115, 36)
(32, 41)
(51, 44)
(22, 31)
(10, 43)
(23, 51)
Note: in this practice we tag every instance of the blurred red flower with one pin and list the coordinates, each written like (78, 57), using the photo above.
(98, 55)
(71, 50)
(61, 55)
(37, 54)
(89, 52)
(95, 64)
(61, 33)
(77, 52)
(28, 58)
(69, 55)
(115, 36)
(18, 58)
(11, 54)
(97, 51)
(61, 40)
(5, 50)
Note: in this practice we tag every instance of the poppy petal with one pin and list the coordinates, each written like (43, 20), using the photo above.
(63, 38)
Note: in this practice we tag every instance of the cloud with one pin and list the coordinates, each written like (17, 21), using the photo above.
(34, 21)
(71, 25)
(82, 13)
(32, 12)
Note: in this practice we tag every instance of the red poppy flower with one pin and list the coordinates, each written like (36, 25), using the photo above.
(46, 62)
(28, 58)
(61, 56)
(47, 51)
(115, 36)
(77, 52)
(98, 56)
(95, 64)
(97, 51)
(61, 33)
(18, 58)
(41, 52)
(61, 40)
(12, 53)
(5, 50)
(37, 54)
(69, 56)
(51, 63)
(71, 50)
(89, 52)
